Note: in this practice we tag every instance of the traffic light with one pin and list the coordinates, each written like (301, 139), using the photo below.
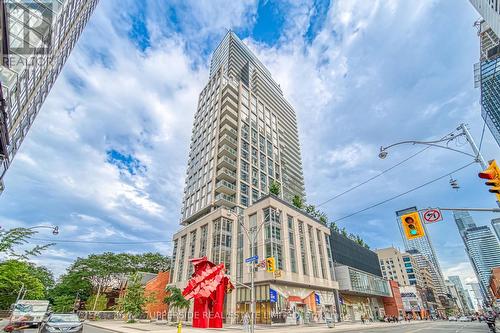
(492, 174)
(412, 225)
(270, 264)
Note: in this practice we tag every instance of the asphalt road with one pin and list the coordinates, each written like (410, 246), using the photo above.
(432, 327)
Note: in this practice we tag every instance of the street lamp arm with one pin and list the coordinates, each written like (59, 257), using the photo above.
(383, 150)
(55, 229)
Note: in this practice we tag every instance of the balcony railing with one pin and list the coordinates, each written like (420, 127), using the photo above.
(226, 162)
(225, 187)
(225, 200)
(226, 174)
(226, 139)
(226, 129)
(227, 151)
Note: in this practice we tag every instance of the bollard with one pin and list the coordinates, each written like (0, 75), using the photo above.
(179, 327)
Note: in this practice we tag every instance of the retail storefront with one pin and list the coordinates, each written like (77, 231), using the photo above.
(286, 305)
(355, 307)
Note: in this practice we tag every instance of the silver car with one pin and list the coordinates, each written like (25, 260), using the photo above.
(57, 323)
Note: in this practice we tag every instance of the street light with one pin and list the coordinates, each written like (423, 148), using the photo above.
(251, 235)
(55, 229)
(446, 139)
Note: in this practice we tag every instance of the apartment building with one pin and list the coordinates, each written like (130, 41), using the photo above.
(304, 288)
(37, 39)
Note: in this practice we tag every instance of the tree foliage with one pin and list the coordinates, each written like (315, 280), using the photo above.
(175, 299)
(134, 300)
(63, 304)
(14, 275)
(275, 188)
(106, 268)
(100, 305)
(298, 202)
(11, 239)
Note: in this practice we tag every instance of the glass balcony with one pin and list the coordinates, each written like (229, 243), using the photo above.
(226, 174)
(226, 162)
(226, 187)
(231, 93)
(230, 103)
(225, 200)
(230, 112)
(227, 151)
(227, 140)
(228, 130)
(226, 120)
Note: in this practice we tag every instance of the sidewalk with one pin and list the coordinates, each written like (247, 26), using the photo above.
(122, 327)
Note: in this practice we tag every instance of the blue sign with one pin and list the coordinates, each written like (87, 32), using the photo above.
(251, 259)
(316, 296)
(273, 296)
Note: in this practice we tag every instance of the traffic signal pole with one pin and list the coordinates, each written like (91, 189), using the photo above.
(479, 157)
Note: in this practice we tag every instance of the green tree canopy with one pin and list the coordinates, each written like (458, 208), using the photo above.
(15, 274)
(134, 300)
(175, 299)
(11, 239)
(298, 202)
(274, 188)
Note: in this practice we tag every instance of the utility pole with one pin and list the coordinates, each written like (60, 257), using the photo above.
(479, 157)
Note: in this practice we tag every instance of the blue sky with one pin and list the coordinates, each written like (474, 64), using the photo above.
(106, 157)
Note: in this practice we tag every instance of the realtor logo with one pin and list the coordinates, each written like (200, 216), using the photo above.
(29, 26)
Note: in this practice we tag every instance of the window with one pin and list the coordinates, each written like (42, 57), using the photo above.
(291, 244)
(303, 257)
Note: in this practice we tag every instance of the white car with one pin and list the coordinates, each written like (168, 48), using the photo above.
(464, 318)
(452, 318)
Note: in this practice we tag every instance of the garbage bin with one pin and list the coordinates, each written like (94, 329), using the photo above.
(330, 323)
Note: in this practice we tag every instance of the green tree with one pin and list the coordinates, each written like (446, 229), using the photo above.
(175, 300)
(343, 231)
(100, 305)
(44, 276)
(63, 304)
(14, 275)
(274, 188)
(71, 284)
(134, 300)
(298, 202)
(334, 227)
(12, 238)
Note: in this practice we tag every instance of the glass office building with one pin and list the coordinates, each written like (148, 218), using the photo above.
(36, 40)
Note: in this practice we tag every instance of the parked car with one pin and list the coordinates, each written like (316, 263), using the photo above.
(464, 318)
(68, 323)
(452, 318)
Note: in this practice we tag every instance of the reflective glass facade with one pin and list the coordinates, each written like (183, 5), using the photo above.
(26, 79)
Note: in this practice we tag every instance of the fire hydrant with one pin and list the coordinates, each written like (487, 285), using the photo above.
(179, 327)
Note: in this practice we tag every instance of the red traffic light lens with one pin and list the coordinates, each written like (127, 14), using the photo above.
(488, 174)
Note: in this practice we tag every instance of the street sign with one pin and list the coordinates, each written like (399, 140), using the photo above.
(318, 301)
(432, 215)
(251, 259)
(273, 296)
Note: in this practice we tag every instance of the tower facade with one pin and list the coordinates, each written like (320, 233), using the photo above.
(244, 138)
(483, 250)
(495, 224)
(37, 38)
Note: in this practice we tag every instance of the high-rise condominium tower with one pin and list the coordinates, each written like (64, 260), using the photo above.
(487, 70)
(495, 223)
(35, 41)
(244, 136)
(483, 249)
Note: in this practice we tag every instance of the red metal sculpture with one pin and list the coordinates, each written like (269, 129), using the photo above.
(208, 286)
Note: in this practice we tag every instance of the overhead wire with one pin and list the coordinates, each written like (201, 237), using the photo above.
(99, 242)
(404, 193)
(450, 135)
